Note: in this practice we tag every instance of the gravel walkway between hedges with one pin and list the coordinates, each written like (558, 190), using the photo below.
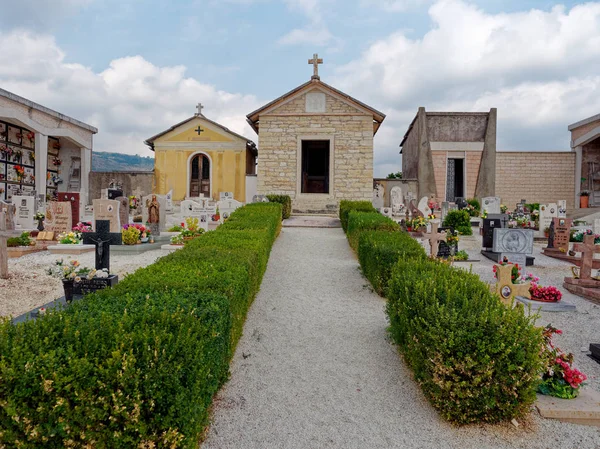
(315, 369)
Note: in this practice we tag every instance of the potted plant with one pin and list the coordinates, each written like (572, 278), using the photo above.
(584, 199)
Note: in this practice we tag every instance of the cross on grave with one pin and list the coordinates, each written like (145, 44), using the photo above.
(505, 287)
(199, 130)
(102, 238)
(434, 238)
(315, 61)
(587, 250)
(199, 107)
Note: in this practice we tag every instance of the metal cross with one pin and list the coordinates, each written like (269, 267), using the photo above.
(315, 61)
(199, 107)
(102, 238)
(199, 130)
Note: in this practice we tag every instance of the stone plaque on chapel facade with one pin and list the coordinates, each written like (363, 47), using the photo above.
(315, 102)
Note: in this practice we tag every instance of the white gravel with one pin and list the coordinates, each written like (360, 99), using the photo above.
(315, 368)
(29, 287)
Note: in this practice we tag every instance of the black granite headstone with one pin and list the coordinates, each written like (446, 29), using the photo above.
(102, 238)
(489, 224)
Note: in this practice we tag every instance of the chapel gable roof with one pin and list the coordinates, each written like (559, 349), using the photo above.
(584, 122)
(254, 117)
(249, 143)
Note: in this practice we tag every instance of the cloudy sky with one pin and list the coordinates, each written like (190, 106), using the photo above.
(134, 67)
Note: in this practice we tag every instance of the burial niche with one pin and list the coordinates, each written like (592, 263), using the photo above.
(455, 179)
(315, 166)
(200, 176)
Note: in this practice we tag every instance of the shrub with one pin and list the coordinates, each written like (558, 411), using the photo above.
(475, 359)
(347, 206)
(474, 207)
(460, 221)
(359, 222)
(137, 365)
(286, 203)
(22, 240)
(379, 251)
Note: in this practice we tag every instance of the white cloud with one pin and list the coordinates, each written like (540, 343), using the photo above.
(539, 68)
(128, 102)
(37, 14)
(315, 32)
(394, 5)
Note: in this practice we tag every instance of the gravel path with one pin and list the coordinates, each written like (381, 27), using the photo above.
(315, 368)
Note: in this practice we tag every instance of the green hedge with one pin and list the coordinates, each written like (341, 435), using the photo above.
(347, 206)
(286, 203)
(379, 251)
(137, 365)
(475, 359)
(359, 222)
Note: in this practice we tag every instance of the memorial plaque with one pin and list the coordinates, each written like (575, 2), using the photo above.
(58, 217)
(516, 241)
(107, 210)
(489, 224)
(73, 198)
(561, 234)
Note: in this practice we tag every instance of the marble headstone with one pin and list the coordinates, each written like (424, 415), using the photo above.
(107, 210)
(396, 199)
(169, 201)
(25, 206)
(123, 210)
(58, 217)
(547, 213)
(490, 204)
(225, 196)
(424, 206)
(227, 207)
(73, 198)
(562, 208)
(194, 209)
(513, 241)
(378, 197)
(260, 199)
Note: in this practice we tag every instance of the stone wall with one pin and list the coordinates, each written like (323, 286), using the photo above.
(129, 180)
(538, 177)
(351, 135)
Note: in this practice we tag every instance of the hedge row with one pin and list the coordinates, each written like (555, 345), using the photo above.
(475, 359)
(137, 365)
(286, 203)
(359, 222)
(347, 206)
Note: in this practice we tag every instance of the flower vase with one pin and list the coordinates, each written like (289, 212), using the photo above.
(40, 225)
(68, 286)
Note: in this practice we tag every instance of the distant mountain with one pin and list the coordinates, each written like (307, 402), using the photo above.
(102, 161)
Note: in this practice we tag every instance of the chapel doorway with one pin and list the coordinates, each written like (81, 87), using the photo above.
(455, 179)
(200, 176)
(315, 166)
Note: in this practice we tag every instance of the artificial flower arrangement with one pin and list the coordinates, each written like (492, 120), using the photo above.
(416, 223)
(515, 274)
(31, 179)
(39, 216)
(20, 171)
(82, 227)
(73, 271)
(544, 294)
(133, 202)
(452, 238)
(503, 209)
(559, 379)
(31, 157)
(19, 135)
(6, 151)
(217, 215)
(56, 161)
(31, 135)
(135, 233)
(577, 236)
(69, 238)
(431, 217)
(189, 230)
(484, 214)
(17, 155)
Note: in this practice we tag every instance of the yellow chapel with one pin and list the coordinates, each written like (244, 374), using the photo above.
(199, 157)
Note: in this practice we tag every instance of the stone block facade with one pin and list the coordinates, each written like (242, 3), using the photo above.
(350, 132)
(538, 177)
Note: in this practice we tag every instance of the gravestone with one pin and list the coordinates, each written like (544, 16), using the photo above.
(227, 207)
(547, 213)
(102, 238)
(561, 233)
(113, 194)
(562, 208)
(489, 225)
(386, 211)
(396, 199)
(410, 196)
(490, 204)
(434, 237)
(424, 206)
(445, 209)
(58, 217)
(9, 215)
(194, 209)
(513, 244)
(162, 205)
(584, 284)
(414, 211)
(260, 199)
(505, 287)
(107, 210)
(25, 206)
(225, 196)
(73, 198)
(169, 201)
(123, 210)
(378, 197)
(445, 250)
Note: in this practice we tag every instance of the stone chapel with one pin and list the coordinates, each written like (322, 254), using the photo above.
(201, 158)
(316, 145)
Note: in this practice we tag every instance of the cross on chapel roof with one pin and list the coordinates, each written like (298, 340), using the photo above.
(199, 107)
(315, 61)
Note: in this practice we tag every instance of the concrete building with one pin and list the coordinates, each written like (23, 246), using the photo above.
(451, 154)
(316, 145)
(201, 157)
(51, 150)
